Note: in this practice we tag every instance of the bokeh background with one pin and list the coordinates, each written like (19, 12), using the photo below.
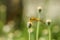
(14, 15)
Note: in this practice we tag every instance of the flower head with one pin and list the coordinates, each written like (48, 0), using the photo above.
(45, 32)
(48, 21)
(39, 9)
(29, 24)
(30, 30)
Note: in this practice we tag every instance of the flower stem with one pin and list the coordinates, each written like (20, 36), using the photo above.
(29, 36)
(37, 31)
(49, 33)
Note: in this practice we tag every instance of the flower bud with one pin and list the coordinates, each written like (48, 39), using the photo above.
(48, 22)
(29, 24)
(39, 9)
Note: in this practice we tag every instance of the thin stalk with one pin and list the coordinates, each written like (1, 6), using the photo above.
(49, 33)
(29, 36)
(37, 31)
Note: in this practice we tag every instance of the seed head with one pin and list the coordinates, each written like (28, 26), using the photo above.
(30, 30)
(29, 24)
(39, 9)
(48, 22)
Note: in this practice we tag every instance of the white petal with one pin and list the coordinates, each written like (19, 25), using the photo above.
(39, 7)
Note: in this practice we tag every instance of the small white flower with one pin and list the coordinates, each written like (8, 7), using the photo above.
(10, 36)
(30, 30)
(29, 24)
(7, 28)
(45, 32)
(39, 9)
(48, 21)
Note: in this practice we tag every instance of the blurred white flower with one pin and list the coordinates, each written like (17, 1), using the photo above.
(48, 21)
(45, 32)
(6, 28)
(39, 9)
(42, 38)
(30, 30)
(29, 24)
(10, 36)
(56, 29)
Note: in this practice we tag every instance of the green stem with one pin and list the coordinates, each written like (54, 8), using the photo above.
(29, 35)
(37, 32)
(49, 33)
